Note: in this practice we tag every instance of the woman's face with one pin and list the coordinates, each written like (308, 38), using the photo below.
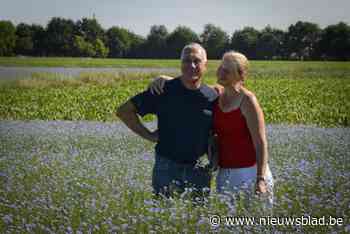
(226, 75)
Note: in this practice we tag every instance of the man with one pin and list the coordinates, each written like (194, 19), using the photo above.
(184, 113)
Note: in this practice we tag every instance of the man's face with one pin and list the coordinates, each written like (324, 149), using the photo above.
(193, 65)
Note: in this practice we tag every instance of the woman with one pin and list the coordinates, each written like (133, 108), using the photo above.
(240, 129)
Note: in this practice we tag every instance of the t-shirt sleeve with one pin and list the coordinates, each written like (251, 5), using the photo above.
(145, 103)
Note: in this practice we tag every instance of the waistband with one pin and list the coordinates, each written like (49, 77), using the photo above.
(179, 162)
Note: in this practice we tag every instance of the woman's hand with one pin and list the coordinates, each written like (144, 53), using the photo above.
(261, 187)
(218, 88)
(157, 85)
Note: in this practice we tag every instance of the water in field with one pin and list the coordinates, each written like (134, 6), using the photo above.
(23, 72)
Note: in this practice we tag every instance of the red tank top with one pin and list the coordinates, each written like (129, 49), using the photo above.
(236, 148)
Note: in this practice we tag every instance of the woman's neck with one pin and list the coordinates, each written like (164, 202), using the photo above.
(230, 98)
(233, 90)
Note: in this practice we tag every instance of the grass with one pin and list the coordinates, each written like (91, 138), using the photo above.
(85, 62)
(161, 63)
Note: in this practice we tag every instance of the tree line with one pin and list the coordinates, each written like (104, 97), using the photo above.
(87, 38)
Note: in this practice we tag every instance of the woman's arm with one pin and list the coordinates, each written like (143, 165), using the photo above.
(256, 125)
(157, 85)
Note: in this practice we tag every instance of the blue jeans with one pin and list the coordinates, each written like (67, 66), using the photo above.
(169, 177)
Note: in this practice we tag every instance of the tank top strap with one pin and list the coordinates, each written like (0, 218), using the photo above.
(242, 100)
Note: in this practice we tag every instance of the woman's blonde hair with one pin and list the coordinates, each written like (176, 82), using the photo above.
(237, 62)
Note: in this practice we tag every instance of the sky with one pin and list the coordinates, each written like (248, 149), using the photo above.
(138, 16)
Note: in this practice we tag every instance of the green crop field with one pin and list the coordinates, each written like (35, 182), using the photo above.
(290, 92)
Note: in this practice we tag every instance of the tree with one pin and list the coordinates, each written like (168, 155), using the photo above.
(24, 39)
(39, 40)
(335, 42)
(82, 48)
(101, 50)
(214, 40)
(270, 43)
(301, 39)
(60, 36)
(137, 46)
(180, 37)
(118, 42)
(244, 41)
(89, 39)
(7, 38)
(90, 29)
(156, 42)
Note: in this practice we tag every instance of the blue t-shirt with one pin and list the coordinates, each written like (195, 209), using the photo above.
(184, 119)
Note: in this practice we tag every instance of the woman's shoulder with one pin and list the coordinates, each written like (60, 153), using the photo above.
(250, 104)
(248, 96)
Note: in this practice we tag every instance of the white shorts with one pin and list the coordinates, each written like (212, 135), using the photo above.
(233, 180)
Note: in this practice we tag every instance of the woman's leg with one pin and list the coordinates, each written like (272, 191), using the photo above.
(240, 182)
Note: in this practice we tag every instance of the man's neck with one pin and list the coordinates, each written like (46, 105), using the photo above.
(196, 84)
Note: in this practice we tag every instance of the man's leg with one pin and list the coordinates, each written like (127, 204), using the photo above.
(166, 177)
(198, 179)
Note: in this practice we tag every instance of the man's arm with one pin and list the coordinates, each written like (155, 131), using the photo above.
(128, 114)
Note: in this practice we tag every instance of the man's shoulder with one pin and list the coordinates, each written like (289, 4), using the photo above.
(172, 84)
(209, 92)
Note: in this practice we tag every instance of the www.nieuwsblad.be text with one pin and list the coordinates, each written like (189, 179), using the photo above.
(216, 220)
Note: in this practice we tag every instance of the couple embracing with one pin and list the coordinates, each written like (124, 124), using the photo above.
(189, 113)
